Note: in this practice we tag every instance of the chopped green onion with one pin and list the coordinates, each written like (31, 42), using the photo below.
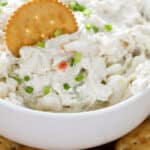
(95, 29)
(19, 80)
(58, 32)
(87, 12)
(46, 90)
(89, 26)
(75, 6)
(108, 27)
(41, 44)
(26, 78)
(29, 89)
(79, 77)
(3, 3)
(72, 62)
(78, 57)
(66, 86)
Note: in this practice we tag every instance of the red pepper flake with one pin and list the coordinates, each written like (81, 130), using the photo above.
(62, 65)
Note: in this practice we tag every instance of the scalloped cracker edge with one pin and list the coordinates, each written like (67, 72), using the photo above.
(37, 20)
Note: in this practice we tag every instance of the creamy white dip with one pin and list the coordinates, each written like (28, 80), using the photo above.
(106, 61)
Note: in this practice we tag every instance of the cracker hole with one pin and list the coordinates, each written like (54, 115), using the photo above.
(36, 17)
(27, 30)
(135, 142)
(42, 35)
(52, 22)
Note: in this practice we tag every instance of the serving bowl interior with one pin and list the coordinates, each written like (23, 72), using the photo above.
(49, 130)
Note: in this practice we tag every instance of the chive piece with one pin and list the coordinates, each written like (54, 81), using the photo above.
(29, 89)
(89, 26)
(26, 78)
(81, 7)
(95, 29)
(87, 12)
(72, 62)
(79, 77)
(46, 90)
(66, 86)
(41, 44)
(3, 3)
(108, 27)
(78, 57)
(75, 6)
(58, 32)
(19, 80)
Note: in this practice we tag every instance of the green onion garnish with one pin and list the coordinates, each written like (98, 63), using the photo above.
(108, 27)
(19, 80)
(87, 12)
(79, 77)
(29, 89)
(26, 78)
(95, 29)
(3, 3)
(72, 62)
(89, 26)
(58, 32)
(41, 44)
(46, 90)
(75, 6)
(66, 86)
(78, 57)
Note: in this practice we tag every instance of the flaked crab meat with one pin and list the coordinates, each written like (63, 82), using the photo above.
(105, 62)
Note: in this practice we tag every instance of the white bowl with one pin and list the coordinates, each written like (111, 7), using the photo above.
(72, 130)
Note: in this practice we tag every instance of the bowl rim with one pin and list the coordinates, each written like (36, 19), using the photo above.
(111, 108)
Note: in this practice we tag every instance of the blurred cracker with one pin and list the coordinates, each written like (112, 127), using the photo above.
(38, 20)
(9, 145)
(139, 139)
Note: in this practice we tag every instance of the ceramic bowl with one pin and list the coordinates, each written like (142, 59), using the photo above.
(72, 130)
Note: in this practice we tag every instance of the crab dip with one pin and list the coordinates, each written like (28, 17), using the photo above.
(105, 62)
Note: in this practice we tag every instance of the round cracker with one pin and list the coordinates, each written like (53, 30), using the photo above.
(139, 139)
(38, 20)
